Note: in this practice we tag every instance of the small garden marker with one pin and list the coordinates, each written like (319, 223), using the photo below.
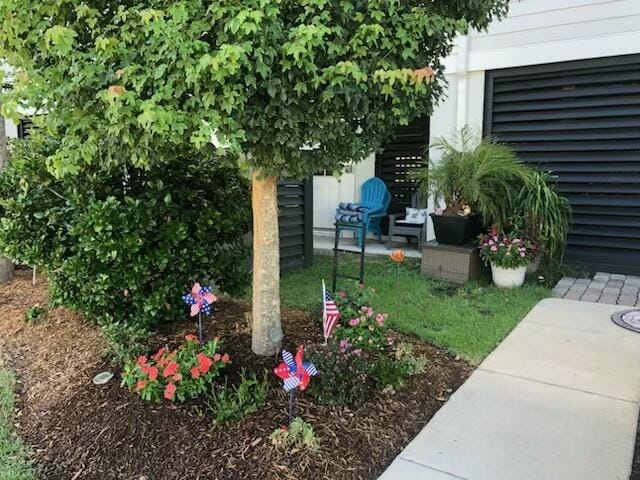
(398, 257)
(295, 374)
(200, 300)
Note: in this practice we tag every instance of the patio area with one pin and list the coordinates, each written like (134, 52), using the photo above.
(324, 243)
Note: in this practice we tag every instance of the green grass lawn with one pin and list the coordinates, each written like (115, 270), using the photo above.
(14, 462)
(467, 320)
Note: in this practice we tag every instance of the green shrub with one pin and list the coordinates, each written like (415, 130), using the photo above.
(415, 364)
(299, 435)
(343, 375)
(123, 245)
(232, 404)
(389, 373)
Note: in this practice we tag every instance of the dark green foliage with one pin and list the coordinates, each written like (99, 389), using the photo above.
(390, 373)
(122, 245)
(343, 377)
(234, 403)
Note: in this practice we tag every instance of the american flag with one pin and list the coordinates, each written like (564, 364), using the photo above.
(330, 313)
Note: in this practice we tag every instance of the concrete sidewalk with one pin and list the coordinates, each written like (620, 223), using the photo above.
(557, 400)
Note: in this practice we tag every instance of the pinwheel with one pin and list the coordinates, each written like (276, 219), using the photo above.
(200, 300)
(295, 373)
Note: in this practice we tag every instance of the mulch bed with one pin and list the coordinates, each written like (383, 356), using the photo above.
(82, 431)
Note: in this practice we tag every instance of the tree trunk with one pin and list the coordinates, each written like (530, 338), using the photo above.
(6, 265)
(266, 264)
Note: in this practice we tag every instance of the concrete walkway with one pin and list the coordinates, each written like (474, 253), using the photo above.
(557, 400)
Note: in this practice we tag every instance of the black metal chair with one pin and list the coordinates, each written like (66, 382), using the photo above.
(399, 227)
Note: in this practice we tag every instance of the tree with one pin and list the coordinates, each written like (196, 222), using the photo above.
(6, 265)
(260, 78)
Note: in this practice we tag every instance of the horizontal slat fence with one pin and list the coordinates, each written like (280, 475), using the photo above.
(295, 216)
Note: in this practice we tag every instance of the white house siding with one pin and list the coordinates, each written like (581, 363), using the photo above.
(534, 32)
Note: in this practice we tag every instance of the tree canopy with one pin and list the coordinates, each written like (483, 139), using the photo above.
(122, 81)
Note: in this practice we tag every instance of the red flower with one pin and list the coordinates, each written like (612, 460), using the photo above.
(140, 385)
(205, 362)
(191, 338)
(158, 354)
(142, 359)
(170, 369)
(169, 391)
(217, 357)
(195, 373)
(225, 358)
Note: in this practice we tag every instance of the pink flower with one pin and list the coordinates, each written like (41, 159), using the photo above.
(380, 319)
(371, 328)
(195, 372)
(342, 294)
(217, 357)
(522, 254)
(361, 285)
(494, 248)
(140, 385)
(516, 240)
(354, 321)
(369, 312)
(142, 359)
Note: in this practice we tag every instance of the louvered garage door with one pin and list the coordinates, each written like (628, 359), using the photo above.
(580, 120)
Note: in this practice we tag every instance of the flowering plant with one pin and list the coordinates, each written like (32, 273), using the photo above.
(365, 330)
(506, 249)
(178, 374)
(350, 301)
(343, 378)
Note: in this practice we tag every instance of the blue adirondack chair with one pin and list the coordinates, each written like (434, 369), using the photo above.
(374, 202)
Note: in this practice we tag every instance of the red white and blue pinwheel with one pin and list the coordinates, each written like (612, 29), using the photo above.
(295, 373)
(200, 300)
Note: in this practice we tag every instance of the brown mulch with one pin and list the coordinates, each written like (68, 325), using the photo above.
(82, 431)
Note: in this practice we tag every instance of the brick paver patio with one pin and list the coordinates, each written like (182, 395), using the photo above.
(610, 288)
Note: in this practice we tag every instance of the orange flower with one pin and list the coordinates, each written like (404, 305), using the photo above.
(153, 373)
(140, 385)
(169, 391)
(116, 90)
(195, 373)
(170, 369)
(397, 256)
(225, 358)
(158, 354)
(205, 363)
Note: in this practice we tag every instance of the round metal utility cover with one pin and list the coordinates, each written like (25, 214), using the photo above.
(629, 319)
(102, 378)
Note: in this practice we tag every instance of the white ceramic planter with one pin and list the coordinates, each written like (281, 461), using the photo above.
(508, 277)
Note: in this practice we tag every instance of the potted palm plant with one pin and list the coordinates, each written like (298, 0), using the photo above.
(509, 254)
(478, 179)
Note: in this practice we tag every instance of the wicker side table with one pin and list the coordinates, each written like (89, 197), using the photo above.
(451, 262)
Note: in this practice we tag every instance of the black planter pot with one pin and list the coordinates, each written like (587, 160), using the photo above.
(455, 229)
